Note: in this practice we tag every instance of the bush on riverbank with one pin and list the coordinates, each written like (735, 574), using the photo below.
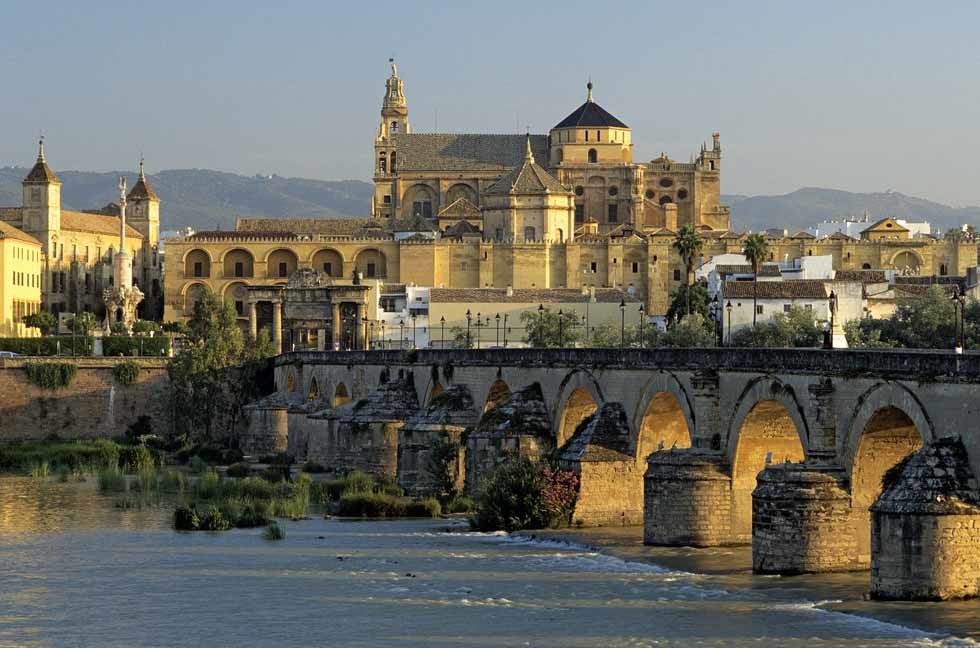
(381, 505)
(243, 503)
(521, 494)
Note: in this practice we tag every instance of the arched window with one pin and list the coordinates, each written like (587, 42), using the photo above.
(394, 127)
(529, 234)
(593, 156)
(711, 165)
(865, 266)
(942, 268)
(383, 163)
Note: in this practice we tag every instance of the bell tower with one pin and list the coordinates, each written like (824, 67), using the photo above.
(394, 121)
(42, 204)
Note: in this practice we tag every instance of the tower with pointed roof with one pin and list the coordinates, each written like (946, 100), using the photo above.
(143, 213)
(41, 214)
(394, 121)
(591, 135)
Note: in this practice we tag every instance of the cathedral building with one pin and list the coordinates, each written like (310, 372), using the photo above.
(567, 209)
(77, 247)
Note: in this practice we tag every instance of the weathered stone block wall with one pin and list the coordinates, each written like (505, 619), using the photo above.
(687, 499)
(345, 446)
(801, 521)
(267, 431)
(415, 458)
(925, 557)
(609, 494)
(486, 452)
(93, 406)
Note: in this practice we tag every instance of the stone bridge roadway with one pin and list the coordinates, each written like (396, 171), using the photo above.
(816, 430)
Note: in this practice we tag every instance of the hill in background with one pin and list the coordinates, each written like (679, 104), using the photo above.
(806, 207)
(205, 199)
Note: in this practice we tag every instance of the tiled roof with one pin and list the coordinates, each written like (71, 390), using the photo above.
(787, 289)
(8, 231)
(459, 208)
(886, 225)
(945, 279)
(325, 226)
(41, 173)
(733, 269)
(432, 151)
(917, 290)
(803, 235)
(525, 179)
(416, 224)
(143, 191)
(840, 236)
(527, 295)
(590, 114)
(626, 230)
(95, 223)
(770, 270)
(864, 276)
(239, 236)
(461, 228)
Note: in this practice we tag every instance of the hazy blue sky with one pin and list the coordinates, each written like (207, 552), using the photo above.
(863, 96)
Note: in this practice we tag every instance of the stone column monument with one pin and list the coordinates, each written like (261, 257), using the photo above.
(123, 296)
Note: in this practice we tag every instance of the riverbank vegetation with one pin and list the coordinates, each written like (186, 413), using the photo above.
(522, 494)
(73, 456)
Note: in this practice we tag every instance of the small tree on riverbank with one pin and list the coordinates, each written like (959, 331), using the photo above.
(215, 374)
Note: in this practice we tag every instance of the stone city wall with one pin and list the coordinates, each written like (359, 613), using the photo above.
(92, 406)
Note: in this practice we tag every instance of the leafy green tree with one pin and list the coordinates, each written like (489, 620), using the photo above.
(756, 249)
(43, 320)
(460, 339)
(145, 327)
(689, 299)
(694, 330)
(688, 244)
(83, 323)
(214, 375)
(793, 329)
(178, 328)
(926, 322)
(547, 328)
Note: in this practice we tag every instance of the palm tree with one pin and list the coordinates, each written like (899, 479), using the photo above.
(755, 251)
(688, 244)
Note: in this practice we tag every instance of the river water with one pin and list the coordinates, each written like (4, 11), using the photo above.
(77, 571)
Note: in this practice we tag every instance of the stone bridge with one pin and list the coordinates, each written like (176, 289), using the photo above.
(783, 448)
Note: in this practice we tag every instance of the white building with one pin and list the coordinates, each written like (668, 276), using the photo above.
(854, 226)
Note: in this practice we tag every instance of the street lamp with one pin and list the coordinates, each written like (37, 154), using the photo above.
(414, 344)
(384, 342)
(540, 325)
(622, 323)
(442, 336)
(728, 309)
(506, 315)
(833, 310)
(371, 339)
(642, 322)
(497, 318)
(401, 333)
(561, 329)
(363, 330)
(959, 306)
(469, 319)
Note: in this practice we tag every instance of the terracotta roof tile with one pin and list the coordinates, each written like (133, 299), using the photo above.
(72, 221)
(864, 276)
(8, 231)
(436, 151)
(787, 289)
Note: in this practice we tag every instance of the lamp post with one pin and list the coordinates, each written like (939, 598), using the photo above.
(959, 304)
(371, 338)
(497, 318)
(469, 318)
(585, 328)
(728, 310)
(442, 335)
(642, 322)
(561, 329)
(962, 301)
(384, 342)
(832, 299)
(506, 315)
(401, 333)
(622, 323)
(414, 343)
(540, 325)
(363, 329)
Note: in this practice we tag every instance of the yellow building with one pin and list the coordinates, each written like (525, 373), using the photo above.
(20, 280)
(77, 247)
(567, 210)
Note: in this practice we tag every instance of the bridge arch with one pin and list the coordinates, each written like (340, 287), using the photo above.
(498, 392)
(579, 396)
(663, 414)
(889, 424)
(768, 423)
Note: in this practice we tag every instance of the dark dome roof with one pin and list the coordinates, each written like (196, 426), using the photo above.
(590, 114)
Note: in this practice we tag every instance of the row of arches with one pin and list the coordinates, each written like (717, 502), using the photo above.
(282, 262)
(769, 426)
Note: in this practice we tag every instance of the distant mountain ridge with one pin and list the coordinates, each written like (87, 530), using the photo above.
(808, 206)
(205, 199)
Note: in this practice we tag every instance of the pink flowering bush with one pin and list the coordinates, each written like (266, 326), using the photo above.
(521, 494)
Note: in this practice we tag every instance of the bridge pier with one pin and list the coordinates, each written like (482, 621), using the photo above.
(687, 498)
(925, 528)
(801, 520)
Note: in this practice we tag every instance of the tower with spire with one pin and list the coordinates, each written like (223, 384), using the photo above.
(144, 215)
(394, 121)
(42, 203)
